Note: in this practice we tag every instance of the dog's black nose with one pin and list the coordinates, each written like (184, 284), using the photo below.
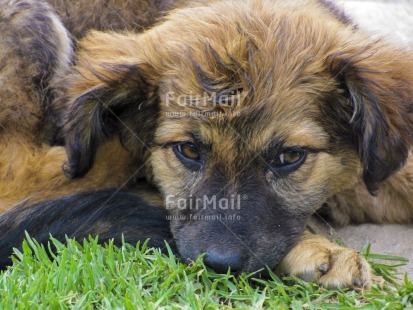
(220, 261)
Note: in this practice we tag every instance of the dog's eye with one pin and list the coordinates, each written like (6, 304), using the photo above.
(189, 154)
(189, 151)
(289, 158)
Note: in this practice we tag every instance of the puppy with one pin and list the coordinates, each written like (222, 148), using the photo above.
(247, 116)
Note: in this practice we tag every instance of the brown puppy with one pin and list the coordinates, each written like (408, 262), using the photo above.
(246, 115)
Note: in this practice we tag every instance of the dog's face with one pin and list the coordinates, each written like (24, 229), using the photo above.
(248, 123)
(241, 168)
(244, 186)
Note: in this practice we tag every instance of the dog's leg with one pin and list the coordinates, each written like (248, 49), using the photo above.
(317, 259)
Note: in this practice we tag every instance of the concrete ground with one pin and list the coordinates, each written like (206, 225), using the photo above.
(384, 239)
(391, 18)
(390, 239)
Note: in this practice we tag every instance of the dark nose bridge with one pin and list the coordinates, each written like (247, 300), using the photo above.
(236, 151)
(230, 192)
(232, 173)
(233, 230)
(220, 181)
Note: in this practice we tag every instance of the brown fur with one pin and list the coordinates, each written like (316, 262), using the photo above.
(25, 78)
(109, 15)
(295, 75)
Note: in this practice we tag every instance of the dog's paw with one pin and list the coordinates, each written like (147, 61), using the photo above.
(334, 268)
(316, 259)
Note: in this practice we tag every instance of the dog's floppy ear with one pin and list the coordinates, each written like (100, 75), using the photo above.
(108, 92)
(378, 80)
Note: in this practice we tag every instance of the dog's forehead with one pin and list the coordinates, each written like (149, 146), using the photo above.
(255, 77)
(250, 133)
(272, 113)
(248, 61)
(283, 30)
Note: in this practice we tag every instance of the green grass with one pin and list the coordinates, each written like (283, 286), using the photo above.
(90, 276)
